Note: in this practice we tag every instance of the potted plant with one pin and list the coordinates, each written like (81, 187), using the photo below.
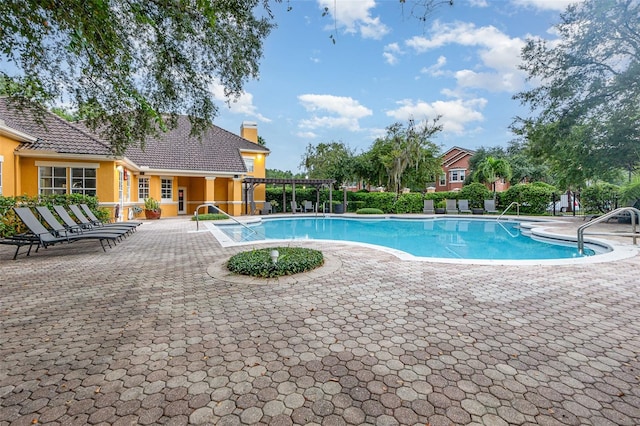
(440, 207)
(152, 208)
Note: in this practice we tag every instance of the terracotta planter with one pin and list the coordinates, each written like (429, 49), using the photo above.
(152, 214)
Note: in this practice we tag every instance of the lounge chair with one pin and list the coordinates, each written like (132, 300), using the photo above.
(84, 224)
(85, 221)
(451, 206)
(92, 217)
(308, 206)
(490, 206)
(20, 241)
(463, 206)
(295, 208)
(266, 208)
(47, 238)
(428, 207)
(59, 230)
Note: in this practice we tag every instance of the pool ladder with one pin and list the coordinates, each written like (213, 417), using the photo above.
(507, 209)
(221, 212)
(635, 213)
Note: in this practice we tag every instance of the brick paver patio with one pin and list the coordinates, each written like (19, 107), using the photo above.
(154, 332)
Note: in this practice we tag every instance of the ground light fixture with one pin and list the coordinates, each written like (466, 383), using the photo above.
(274, 256)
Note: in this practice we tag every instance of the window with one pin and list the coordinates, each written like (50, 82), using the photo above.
(248, 162)
(143, 188)
(53, 180)
(166, 189)
(83, 181)
(443, 179)
(456, 175)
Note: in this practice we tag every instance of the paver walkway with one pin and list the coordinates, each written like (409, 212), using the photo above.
(143, 334)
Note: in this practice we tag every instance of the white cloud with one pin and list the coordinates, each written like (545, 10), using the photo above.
(455, 114)
(337, 111)
(242, 105)
(499, 54)
(493, 82)
(478, 3)
(355, 17)
(435, 69)
(306, 135)
(391, 53)
(559, 5)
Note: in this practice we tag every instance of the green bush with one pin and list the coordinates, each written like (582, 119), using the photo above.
(409, 203)
(11, 225)
(291, 260)
(599, 198)
(534, 198)
(476, 193)
(210, 216)
(369, 210)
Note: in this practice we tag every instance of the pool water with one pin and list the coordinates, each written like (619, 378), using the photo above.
(440, 238)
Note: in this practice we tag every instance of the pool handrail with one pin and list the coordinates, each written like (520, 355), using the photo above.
(634, 234)
(221, 212)
(507, 209)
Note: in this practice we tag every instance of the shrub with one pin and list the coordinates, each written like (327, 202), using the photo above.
(210, 216)
(291, 260)
(600, 198)
(369, 210)
(11, 225)
(534, 198)
(476, 193)
(409, 203)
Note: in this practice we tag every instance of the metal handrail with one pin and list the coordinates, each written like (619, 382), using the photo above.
(633, 212)
(508, 232)
(507, 209)
(221, 212)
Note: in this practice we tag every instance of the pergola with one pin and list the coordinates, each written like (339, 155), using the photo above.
(252, 182)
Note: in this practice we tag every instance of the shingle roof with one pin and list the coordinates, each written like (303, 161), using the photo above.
(216, 150)
(53, 133)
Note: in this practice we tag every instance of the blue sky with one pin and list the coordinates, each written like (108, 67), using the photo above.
(385, 67)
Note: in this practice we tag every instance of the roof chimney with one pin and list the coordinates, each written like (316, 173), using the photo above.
(249, 131)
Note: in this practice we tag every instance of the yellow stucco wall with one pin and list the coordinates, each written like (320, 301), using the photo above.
(20, 177)
(106, 175)
(9, 183)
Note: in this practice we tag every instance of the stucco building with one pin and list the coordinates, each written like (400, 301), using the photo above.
(41, 153)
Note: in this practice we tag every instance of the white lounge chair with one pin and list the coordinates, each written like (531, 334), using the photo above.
(428, 207)
(266, 208)
(463, 206)
(451, 206)
(490, 206)
(308, 206)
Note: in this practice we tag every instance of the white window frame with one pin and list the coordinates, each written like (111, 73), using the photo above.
(456, 175)
(442, 181)
(143, 188)
(164, 190)
(83, 189)
(249, 163)
(53, 189)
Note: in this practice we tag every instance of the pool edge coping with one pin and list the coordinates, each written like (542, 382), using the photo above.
(618, 251)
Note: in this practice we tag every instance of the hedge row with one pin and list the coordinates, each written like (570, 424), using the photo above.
(533, 198)
(11, 225)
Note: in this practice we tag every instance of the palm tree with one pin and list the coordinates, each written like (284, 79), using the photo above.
(491, 169)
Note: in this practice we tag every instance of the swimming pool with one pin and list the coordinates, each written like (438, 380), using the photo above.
(445, 238)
